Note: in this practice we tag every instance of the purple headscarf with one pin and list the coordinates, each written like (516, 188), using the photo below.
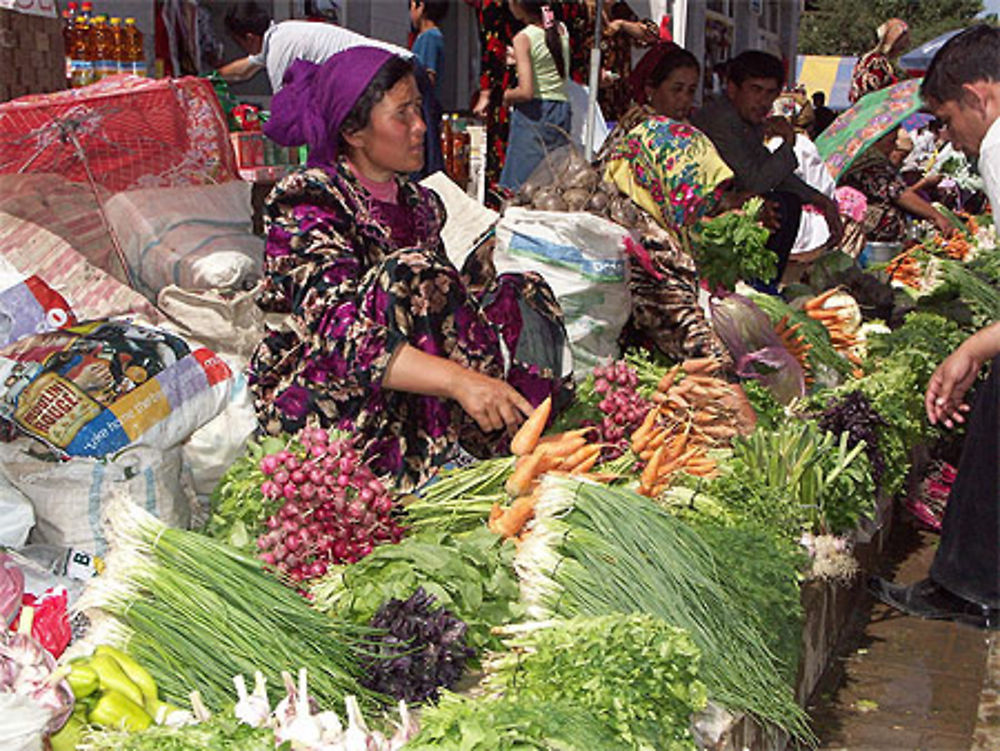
(315, 99)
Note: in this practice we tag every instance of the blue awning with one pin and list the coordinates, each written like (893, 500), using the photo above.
(829, 74)
(916, 61)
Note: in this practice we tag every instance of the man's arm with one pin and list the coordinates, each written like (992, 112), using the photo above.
(240, 70)
(756, 169)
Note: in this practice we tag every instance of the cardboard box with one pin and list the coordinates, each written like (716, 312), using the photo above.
(32, 57)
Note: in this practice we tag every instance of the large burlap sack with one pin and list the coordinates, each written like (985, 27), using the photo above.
(582, 257)
(69, 496)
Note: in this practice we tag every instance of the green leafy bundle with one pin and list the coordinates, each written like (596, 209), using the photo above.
(196, 612)
(470, 574)
(239, 509)
(223, 732)
(799, 477)
(458, 723)
(598, 550)
(926, 332)
(636, 673)
(732, 247)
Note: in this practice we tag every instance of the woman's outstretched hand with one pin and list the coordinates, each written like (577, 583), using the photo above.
(491, 402)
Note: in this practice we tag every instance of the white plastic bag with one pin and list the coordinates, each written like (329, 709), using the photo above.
(17, 515)
(582, 257)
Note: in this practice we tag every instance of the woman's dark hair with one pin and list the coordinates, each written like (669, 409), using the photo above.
(973, 55)
(247, 18)
(677, 58)
(755, 64)
(552, 37)
(394, 70)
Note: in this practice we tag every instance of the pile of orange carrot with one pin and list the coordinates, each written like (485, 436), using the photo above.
(906, 270)
(832, 317)
(690, 416)
(568, 452)
(796, 344)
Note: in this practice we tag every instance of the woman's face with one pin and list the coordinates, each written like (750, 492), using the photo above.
(674, 97)
(393, 140)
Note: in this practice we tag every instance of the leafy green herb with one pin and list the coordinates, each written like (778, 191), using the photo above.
(635, 672)
(459, 723)
(470, 574)
(732, 246)
(239, 509)
(223, 732)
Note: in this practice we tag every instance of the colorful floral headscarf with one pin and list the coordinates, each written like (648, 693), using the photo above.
(671, 169)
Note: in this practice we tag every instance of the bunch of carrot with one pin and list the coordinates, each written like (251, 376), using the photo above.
(569, 452)
(843, 339)
(796, 344)
(689, 417)
(906, 270)
(957, 246)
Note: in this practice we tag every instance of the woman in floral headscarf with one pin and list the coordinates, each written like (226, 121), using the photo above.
(672, 171)
(383, 335)
(877, 68)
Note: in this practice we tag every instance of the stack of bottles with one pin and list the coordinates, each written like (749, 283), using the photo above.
(97, 46)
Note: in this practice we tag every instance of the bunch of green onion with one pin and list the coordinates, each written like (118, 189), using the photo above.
(460, 499)
(596, 550)
(196, 612)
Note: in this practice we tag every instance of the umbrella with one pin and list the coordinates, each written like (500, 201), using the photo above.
(919, 59)
(868, 120)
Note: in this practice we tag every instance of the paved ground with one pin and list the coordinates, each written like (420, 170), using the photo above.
(907, 683)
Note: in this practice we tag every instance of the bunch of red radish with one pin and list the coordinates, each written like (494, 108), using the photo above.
(623, 407)
(335, 509)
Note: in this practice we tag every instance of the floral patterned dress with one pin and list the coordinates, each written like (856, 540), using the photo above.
(497, 27)
(356, 279)
(875, 176)
(874, 71)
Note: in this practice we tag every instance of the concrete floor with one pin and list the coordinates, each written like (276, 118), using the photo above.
(908, 683)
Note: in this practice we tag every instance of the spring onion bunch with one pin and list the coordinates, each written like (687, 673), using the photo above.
(459, 500)
(195, 611)
(596, 550)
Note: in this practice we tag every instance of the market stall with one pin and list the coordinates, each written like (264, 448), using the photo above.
(665, 563)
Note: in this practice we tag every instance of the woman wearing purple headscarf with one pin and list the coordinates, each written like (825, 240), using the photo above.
(384, 336)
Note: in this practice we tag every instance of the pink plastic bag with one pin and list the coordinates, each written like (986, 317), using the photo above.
(11, 589)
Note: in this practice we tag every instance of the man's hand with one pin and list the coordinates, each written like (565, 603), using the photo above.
(780, 127)
(491, 402)
(948, 385)
(831, 213)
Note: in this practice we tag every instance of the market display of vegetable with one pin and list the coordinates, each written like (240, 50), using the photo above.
(636, 673)
(510, 724)
(733, 246)
(470, 574)
(193, 611)
(335, 510)
(641, 608)
(420, 649)
(820, 482)
(599, 550)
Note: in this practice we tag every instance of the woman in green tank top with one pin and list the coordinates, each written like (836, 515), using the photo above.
(540, 118)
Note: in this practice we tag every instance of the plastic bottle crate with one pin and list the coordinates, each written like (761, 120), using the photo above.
(260, 159)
